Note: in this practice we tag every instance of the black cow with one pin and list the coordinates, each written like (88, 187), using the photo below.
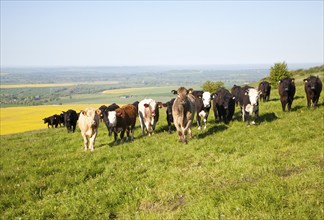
(313, 88)
(287, 91)
(61, 119)
(264, 89)
(102, 109)
(169, 116)
(52, 121)
(70, 120)
(223, 105)
(236, 93)
(136, 106)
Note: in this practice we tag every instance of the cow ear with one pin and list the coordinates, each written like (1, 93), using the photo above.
(159, 104)
(199, 97)
(84, 112)
(292, 80)
(233, 97)
(174, 92)
(146, 105)
(164, 105)
(279, 81)
(305, 80)
(98, 111)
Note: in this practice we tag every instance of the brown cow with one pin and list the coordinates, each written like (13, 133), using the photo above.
(122, 119)
(183, 111)
(88, 124)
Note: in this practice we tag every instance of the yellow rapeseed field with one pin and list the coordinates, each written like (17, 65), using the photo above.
(28, 118)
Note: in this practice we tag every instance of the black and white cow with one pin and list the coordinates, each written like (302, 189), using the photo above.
(203, 105)
(249, 103)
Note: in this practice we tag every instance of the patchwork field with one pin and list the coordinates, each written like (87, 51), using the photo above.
(273, 170)
(41, 85)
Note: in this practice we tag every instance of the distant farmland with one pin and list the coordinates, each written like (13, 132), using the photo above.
(40, 85)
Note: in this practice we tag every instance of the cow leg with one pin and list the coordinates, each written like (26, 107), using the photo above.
(289, 106)
(198, 121)
(127, 133)
(132, 130)
(122, 133)
(85, 141)
(141, 120)
(215, 114)
(283, 105)
(315, 102)
(169, 127)
(92, 141)
(248, 118)
(243, 114)
(115, 138)
(180, 136)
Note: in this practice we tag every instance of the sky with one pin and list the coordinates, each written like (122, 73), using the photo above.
(127, 33)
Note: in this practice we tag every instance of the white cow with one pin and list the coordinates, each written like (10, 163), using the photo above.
(148, 113)
(88, 123)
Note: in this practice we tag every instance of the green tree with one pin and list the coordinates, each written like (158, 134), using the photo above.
(278, 72)
(212, 87)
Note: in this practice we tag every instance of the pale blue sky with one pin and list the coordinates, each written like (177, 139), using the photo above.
(90, 33)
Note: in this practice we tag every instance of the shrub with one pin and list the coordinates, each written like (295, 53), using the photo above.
(278, 72)
(212, 87)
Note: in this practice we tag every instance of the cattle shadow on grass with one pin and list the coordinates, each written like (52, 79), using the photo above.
(295, 108)
(164, 128)
(299, 97)
(267, 117)
(212, 130)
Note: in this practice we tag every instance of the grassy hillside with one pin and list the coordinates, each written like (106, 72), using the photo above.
(270, 171)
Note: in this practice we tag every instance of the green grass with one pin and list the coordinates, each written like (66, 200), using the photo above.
(270, 171)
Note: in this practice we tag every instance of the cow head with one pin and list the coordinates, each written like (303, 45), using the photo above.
(182, 94)
(111, 121)
(92, 115)
(311, 82)
(206, 97)
(286, 83)
(253, 96)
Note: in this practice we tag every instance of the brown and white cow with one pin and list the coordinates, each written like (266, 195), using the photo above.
(148, 113)
(88, 123)
(183, 111)
(121, 120)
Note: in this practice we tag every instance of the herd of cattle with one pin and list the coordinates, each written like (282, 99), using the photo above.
(181, 110)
